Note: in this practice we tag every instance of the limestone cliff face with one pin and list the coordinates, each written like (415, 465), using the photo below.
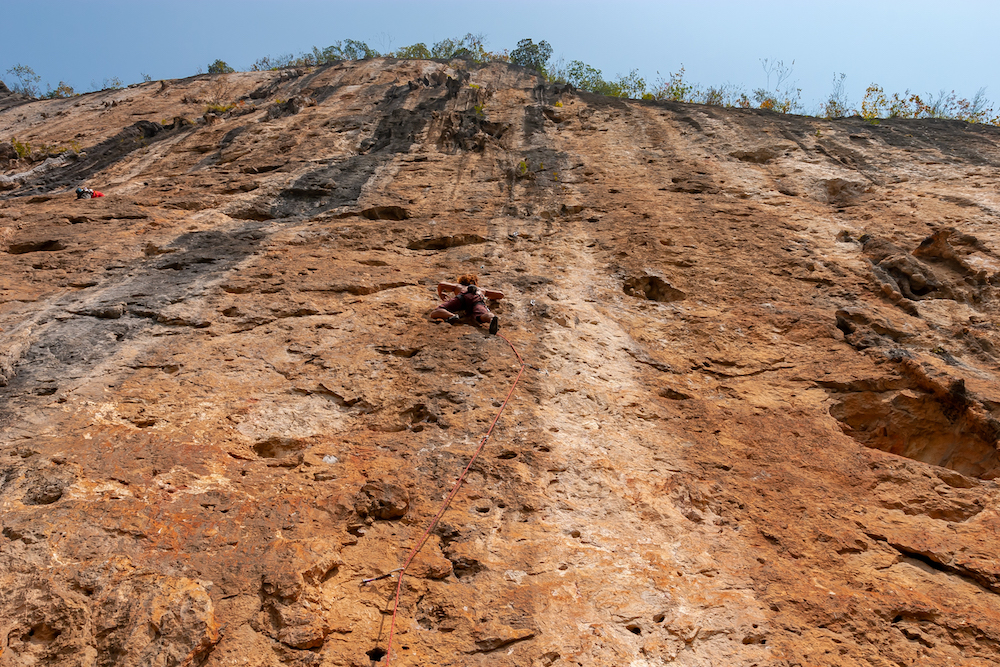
(759, 426)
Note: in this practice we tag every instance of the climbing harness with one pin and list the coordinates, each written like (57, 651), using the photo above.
(445, 504)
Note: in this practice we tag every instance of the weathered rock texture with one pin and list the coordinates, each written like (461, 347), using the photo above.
(759, 427)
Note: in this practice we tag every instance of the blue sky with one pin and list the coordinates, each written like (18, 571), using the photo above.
(918, 45)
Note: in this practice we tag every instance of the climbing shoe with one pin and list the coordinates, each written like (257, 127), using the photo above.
(453, 319)
(494, 325)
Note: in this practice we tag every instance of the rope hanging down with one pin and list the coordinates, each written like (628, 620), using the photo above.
(447, 501)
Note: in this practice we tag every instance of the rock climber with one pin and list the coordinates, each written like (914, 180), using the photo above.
(87, 193)
(469, 299)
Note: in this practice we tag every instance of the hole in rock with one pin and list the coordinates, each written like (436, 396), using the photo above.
(464, 567)
(674, 395)
(405, 353)
(659, 618)
(922, 426)
(375, 654)
(922, 290)
(45, 492)
(442, 242)
(418, 414)
(634, 629)
(35, 246)
(385, 213)
(277, 448)
(652, 288)
(40, 634)
(261, 168)
(255, 214)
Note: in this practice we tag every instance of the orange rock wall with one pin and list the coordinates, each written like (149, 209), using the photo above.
(758, 426)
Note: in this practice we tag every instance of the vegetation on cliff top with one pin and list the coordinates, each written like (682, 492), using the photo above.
(782, 96)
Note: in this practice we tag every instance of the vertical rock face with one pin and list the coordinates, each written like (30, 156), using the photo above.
(759, 425)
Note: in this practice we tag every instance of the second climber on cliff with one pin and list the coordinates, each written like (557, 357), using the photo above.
(469, 300)
(87, 193)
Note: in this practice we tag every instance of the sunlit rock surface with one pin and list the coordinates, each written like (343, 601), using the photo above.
(758, 426)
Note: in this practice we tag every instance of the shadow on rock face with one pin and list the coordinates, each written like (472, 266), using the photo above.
(923, 426)
(327, 187)
(96, 158)
(442, 242)
(653, 288)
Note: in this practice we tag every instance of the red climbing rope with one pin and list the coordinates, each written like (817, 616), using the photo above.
(447, 501)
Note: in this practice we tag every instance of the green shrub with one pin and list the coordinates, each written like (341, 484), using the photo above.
(27, 80)
(675, 89)
(348, 49)
(62, 91)
(471, 47)
(531, 55)
(220, 67)
(418, 51)
(837, 105)
(112, 83)
(23, 149)
(783, 103)
(631, 85)
(579, 74)
(781, 98)
(585, 77)
(457, 48)
(723, 96)
(220, 95)
(50, 150)
(876, 105)
(948, 105)
(261, 65)
(269, 64)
